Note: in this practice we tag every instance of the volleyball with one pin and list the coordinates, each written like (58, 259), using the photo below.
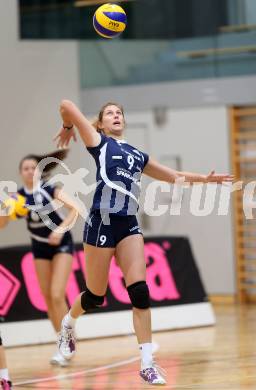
(17, 206)
(109, 20)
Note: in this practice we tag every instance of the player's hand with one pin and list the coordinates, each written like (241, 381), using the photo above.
(4, 210)
(8, 205)
(64, 136)
(55, 238)
(219, 178)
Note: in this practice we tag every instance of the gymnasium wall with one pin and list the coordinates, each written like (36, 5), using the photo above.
(200, 138)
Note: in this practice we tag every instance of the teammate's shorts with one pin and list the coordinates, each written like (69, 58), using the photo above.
(42, 250)
(100, 234)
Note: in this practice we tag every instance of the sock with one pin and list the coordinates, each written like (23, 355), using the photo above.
(69, 321)
(57, 353)
(4, 374)
(146, 355)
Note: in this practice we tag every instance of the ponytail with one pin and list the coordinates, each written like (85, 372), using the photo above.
(58, 154)
(95, 124)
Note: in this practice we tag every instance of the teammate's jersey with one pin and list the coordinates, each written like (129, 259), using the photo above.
(41, 218)
(119, 170)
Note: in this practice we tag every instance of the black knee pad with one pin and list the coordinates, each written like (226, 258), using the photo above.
(1, 343)
(90, 301)
(139, 295)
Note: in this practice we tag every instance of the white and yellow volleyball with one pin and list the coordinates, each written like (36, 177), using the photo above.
(109, 20)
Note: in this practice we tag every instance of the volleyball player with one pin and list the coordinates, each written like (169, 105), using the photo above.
(52, 250)
(5, 382)
(112, 227)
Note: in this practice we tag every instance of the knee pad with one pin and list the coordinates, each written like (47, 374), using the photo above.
(1, 343)
(139, 295)
(90, 301)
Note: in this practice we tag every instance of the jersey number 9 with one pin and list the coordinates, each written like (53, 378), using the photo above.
(130, 161)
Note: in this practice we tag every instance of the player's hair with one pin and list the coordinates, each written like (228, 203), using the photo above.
(58, 154)
(97, 120)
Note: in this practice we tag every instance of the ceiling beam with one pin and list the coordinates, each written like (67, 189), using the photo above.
(86, 3)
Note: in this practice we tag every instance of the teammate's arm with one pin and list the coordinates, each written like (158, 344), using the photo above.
(72, 116)
(67, 224)
(160, 172)
(4, 217)
(3, 221)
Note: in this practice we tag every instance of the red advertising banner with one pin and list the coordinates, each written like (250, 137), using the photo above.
(172, 276)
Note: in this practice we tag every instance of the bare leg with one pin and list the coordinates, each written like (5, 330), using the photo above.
(76, 309)
(61, 268)
(44, 276)
(3, 363)
(97, 268)
(130, 256)
(4, 373)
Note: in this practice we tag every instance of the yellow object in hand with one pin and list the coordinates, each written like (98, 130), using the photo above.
(16, 205)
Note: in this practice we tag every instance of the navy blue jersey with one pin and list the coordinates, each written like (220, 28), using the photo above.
(119, 170)
(41, 217)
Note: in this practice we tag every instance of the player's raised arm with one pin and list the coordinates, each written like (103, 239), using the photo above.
(73, 117)
(160, 172)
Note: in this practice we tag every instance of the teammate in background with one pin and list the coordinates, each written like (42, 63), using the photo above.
(52, 250)
(112, 227)
(5, 383)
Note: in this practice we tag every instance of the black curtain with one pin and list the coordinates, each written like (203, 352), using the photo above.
(147, 19)
(178, 18)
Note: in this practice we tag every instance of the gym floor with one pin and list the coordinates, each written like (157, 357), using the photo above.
(212, 358)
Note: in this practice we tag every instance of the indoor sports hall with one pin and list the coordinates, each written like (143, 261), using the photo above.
(127, 194)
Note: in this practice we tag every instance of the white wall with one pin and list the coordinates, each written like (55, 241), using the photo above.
(223, 91)
(200, 137)
(34, 77)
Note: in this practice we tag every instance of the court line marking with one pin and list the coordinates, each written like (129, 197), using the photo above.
(84, 372)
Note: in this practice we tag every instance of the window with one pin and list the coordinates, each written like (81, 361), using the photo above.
(147, 19)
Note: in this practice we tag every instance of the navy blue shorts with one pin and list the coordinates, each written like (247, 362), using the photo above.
(42, 250)
(100, 234)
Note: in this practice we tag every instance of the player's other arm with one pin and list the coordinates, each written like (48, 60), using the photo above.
(72, 116)
(4, 217)
(3, 221)
(71, 206)
(73, 212)
(160, 172)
